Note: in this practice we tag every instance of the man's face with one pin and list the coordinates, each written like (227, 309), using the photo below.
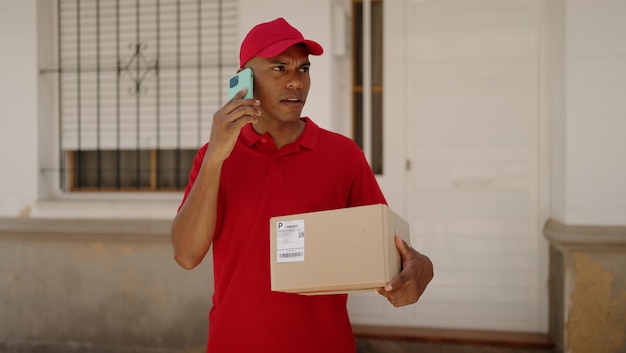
(282, 84)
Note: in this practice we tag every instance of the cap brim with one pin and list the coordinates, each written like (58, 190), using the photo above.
(275, 49)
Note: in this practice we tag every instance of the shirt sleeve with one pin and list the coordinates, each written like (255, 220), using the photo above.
(365, 189)
(193, 174)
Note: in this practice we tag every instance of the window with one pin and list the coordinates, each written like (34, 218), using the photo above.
(138, 82)
(367, 84)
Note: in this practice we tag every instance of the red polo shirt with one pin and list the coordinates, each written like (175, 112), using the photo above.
(321, 170)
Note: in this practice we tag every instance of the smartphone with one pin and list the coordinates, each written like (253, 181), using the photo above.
(237, 82)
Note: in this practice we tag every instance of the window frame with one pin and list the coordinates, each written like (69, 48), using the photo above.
(55, 167)
(368, 109)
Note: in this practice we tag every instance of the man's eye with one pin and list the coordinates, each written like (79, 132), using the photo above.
(279, 68)
(305, 69)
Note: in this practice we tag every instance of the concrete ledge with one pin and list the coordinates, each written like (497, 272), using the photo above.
(587, 287)
(147, 206)
(571, 237)
(98, 285)
(39, 228)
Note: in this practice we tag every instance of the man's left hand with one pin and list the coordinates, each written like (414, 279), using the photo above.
(407, 286)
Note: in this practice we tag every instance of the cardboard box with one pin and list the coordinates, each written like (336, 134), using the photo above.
(337, 251)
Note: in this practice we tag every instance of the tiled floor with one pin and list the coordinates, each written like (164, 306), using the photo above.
(404, 346)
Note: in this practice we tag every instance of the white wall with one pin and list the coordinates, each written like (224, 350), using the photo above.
(595, 129)
(588, 167)
(18, 107)
(552, 86)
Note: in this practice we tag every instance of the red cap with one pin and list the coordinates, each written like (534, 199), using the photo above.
(272, 38)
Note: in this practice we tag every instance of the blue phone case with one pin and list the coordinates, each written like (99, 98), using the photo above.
(237, 82)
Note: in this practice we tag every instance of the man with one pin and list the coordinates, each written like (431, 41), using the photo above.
(264, 160)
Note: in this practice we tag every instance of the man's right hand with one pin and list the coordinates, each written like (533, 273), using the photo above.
(227, 123)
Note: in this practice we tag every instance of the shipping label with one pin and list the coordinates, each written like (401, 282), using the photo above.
(290, 241)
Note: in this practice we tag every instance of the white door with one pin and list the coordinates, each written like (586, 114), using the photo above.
(462, 113)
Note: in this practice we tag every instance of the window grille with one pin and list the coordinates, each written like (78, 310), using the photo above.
(139, 81)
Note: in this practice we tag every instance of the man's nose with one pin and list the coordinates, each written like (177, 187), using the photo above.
(294, 80)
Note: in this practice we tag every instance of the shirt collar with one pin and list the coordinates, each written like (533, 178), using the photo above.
(307, 139)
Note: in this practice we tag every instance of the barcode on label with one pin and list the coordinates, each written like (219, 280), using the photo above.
(290, 255)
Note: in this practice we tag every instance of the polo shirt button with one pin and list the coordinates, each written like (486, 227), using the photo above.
(263, 140)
